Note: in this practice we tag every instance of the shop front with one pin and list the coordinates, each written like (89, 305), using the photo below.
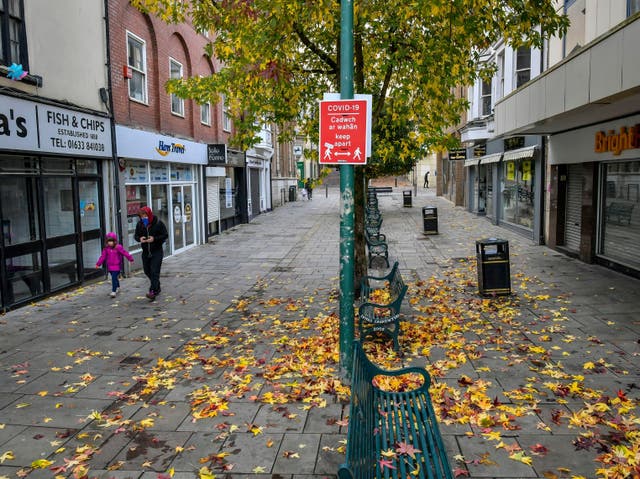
(164, 173)
(233, 191)
(53, 164)
(597, 190)
(518, 188)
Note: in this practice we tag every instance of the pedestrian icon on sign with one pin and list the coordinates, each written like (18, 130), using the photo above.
(327, 151)
(357, 154)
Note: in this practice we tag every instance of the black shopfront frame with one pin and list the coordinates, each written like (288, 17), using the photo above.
(37, 277)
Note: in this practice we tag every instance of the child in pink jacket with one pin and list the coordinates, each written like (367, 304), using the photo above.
(112, 255)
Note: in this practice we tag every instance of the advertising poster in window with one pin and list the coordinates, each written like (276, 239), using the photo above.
(228, 193)
(526, 170)
(511, 170)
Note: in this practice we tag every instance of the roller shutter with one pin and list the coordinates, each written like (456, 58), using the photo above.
(574, 208)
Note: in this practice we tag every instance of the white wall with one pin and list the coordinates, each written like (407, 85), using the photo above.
(602, 15)
(67, 48)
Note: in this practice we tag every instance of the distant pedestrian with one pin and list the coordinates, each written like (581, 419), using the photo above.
(309, 187)
(426, 180)
(151, 232)
(112, 255)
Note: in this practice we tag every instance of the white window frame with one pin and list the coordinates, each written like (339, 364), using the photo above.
(500, 75)
(205, 107)
(134, 70)
(516, 70)
(174, 97)
(484, 94)
(226, 117)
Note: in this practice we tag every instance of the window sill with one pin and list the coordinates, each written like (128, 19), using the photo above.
(30, 79)
(140, 102)
(179, 115)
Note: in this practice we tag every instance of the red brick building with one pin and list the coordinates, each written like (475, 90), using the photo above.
(162, 140)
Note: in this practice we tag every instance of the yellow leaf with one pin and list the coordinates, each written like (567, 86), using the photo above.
(7, 456)
(43, 393)
(205, 473)
(520, 457)
(589, 365)
(41, 464)
(22, 405)
(258, 470)
(148, 422)
(492, 436)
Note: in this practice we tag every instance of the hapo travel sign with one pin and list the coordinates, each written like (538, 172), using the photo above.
(343, 132)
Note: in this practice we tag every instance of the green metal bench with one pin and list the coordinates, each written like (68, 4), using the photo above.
(381, 420)
(376, 247)
(369, 283)
(382, 318)
(372, 225)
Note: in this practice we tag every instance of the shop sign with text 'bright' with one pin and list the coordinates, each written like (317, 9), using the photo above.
(343, 132)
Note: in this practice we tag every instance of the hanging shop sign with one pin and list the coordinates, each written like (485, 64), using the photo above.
(458, 154)
(30, 126)
(216, 155)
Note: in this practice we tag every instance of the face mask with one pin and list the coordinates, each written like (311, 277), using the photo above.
(145, 221)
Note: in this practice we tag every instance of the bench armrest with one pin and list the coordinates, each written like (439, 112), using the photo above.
(376, 239)
(426, 378)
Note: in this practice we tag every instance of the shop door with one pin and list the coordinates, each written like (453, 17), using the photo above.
(574, 208)
(255, 192)
(91, 242)
(182, 217)
(61, 232)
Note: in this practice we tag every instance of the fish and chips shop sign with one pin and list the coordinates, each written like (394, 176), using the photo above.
(30, 126)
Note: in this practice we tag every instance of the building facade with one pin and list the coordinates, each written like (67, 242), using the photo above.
(503, 174)
(587, 104)
(56, 146)
(162, 141)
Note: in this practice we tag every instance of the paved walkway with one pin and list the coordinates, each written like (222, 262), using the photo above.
(221, 374)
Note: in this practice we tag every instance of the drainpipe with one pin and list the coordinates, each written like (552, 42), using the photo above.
(114, 149)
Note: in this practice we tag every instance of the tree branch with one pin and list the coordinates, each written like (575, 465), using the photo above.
(306, 41)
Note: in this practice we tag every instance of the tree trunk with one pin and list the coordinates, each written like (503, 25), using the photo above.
(360, 255)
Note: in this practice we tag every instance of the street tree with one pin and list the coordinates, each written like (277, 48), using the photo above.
(280, 56)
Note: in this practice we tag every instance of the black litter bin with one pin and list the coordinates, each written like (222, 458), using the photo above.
(292, 193)
(430, 220)
(494, 275)
(406, 198)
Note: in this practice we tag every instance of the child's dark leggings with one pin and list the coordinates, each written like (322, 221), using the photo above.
(115, 282)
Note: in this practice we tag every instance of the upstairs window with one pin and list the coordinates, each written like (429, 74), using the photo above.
(13, 37)
(137, 62)
(205, 114)
(485, 98)
(177, 103)
(500, 74)
(226, 115)
(523, 66)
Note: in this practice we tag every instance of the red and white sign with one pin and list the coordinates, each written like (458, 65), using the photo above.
(343, 132)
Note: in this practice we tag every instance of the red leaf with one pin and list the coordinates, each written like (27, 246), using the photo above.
(459, 471)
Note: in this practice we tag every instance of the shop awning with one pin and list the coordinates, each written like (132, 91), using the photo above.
(471, 162)
(520, 153)
(493, 158)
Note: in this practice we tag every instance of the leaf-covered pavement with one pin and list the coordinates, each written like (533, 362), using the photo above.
(512, 377)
